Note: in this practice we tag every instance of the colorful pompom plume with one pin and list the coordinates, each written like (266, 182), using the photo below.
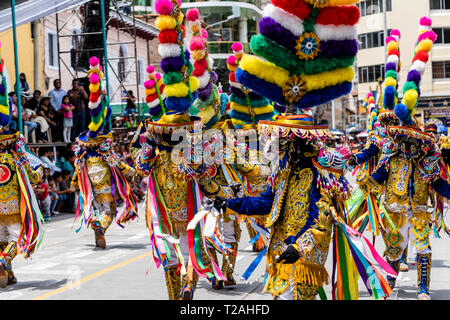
(98, 102)
(304, 53)
(5, 105)
(154, 92)
(208, 105)
(180, 86)
(411, 89)
(247, 107)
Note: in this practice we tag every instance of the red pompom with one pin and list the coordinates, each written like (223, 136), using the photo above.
(298, 8)
(168, 36)
(394, 52)
(200, 67)
(345, 15)
(421, 55)
(192, 14)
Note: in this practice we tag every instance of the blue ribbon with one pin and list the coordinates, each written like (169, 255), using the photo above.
(254, 264)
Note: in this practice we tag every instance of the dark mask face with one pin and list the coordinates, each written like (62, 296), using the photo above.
(300, 150)
(410, 148)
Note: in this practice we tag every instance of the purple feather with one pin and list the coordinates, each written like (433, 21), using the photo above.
(391, 66)
(203, 94)
(214, 77)
(414, 76)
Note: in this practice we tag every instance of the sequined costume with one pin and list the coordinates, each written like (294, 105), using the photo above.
(21, 221)
(296, 206)
(101, 178)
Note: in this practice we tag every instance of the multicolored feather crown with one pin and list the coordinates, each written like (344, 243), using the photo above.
(306, 52)
(409, 127)
(100, 110)
(372, 111)
(154, 93)
(181, 86)
(411, 90)
(247, 106)
(5, 106)
(208, 105)
(392, 77)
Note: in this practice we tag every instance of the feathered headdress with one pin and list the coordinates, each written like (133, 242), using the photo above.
(100, 110)
(247, 107)
(154, 92)
(411, 90)
(209, 105)
(5, 106)
(180, 86)
(306, 51)
(392, 78)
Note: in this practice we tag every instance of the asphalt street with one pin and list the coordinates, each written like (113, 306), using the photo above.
(68, 266)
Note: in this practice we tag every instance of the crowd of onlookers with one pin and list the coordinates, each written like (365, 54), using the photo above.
(59, 116)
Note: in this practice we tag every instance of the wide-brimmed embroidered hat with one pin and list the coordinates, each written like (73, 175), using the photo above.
(304, 53)
(295, 126)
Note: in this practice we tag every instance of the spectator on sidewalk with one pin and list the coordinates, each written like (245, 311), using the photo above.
(47, 155)
(46, 111)
(44, 200)
(33, 103)
(53, 197)
(67, 108)
(131, 106)
(56, 96)
(23, 84)
(77, 96)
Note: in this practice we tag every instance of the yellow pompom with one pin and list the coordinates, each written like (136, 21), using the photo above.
(410, 99)
(264, 70)
(4, 110)
(392, 45)
(180, 90)
(329, 78)
(425, 44)
(94, 87)
(198, 54)
(149, 92)
(165, 22)
(95, 126)
(195, 28)
(244, 109)
(390, 82)
(232, 68)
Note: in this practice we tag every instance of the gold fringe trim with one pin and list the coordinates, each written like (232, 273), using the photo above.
(303, 272)
(10, 219)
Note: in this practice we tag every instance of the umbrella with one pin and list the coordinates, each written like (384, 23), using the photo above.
(337, 132)
(363, 134)
(354, 130)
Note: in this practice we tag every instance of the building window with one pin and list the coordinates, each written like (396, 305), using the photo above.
(52, 49)
(371, 40)
(371, 73)
(441, 69)
(439, 4)
(369, 7)
(122, 63)
(443, 35)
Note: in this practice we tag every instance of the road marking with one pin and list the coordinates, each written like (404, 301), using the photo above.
(92, 276)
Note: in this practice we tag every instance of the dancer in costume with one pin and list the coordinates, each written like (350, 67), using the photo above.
(363, 208)
(21, 221)
(100, 176)
(173, 196)
(409, 174)
(219, 179)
